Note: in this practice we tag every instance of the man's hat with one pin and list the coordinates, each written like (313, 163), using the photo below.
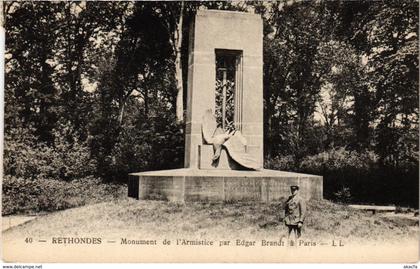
(294, 187)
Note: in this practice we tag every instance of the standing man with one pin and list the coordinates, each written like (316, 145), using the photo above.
(295, 210)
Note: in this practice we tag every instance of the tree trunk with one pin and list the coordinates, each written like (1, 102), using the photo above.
(121, 114)
(178, 66)
(146, 103)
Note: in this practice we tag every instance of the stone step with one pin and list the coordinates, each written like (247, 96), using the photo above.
(374, 208)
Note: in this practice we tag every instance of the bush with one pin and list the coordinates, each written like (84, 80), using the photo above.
(42, 195)
(344, 172)
(343, 195)
(340, 160)
(357, 177)
(154, 145)
(24, 157)
(21, 153)
(283, 163)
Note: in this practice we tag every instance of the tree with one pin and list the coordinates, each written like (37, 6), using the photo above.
(343, 83)
(32, 97)
(170, 17)
(385, 34)
(291, 87)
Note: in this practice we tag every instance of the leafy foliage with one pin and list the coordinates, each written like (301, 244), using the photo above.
(43, 195)
(26, 158)
(357, 177)
(92, 89)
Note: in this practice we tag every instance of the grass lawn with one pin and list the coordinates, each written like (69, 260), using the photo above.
(126, 217)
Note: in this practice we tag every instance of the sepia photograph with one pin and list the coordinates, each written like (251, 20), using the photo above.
(210, 131)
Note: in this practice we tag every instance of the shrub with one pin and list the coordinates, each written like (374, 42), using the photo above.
(24, 157)
(153, 145)
(339, 159)
(41, 195)
(21, 155)
(343, 195)
(359, 177)
(68, 160)
(344, 172)
(284, 163)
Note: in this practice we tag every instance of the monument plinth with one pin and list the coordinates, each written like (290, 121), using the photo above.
(224, 128)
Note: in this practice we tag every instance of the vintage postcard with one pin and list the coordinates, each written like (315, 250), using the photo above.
(202, 131)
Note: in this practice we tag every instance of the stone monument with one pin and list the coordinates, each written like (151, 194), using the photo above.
(224, 128)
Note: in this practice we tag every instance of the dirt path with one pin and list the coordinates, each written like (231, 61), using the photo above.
(12, 221)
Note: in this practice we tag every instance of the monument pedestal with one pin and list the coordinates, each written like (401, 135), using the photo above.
(221, 185)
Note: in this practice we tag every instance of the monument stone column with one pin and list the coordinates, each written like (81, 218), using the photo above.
(212, 32)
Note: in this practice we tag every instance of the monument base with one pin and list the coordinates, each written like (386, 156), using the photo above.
(221, 185)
